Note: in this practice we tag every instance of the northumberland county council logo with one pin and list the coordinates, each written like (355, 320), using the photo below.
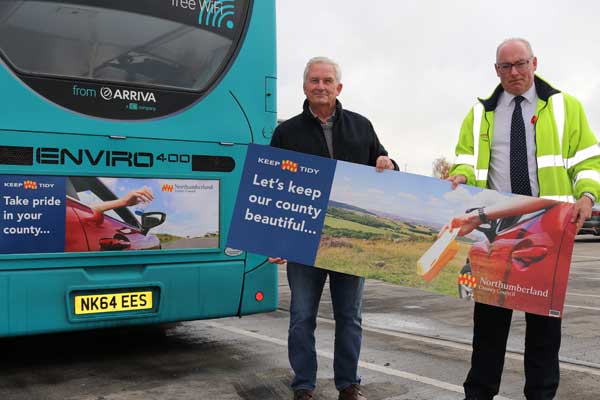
(467, 280)
(30, 185)
(106, 93)
(216, 13)
(289, 166)
(167, 188)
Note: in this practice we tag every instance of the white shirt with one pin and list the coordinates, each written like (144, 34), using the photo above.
(499, 169)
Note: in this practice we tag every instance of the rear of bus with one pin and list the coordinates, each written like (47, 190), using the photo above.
(123, 134)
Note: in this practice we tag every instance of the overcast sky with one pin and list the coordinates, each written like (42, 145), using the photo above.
(414, 68)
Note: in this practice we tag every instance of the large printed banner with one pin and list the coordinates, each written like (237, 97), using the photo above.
(397, 227)
(54, 214)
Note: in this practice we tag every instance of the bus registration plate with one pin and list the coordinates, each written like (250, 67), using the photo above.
(113, 302)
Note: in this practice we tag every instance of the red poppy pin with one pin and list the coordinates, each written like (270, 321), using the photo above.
(533, 119)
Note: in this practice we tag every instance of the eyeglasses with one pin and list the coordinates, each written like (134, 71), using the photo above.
(520, 65)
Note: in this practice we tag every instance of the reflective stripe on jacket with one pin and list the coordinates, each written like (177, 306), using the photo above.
(568, 156)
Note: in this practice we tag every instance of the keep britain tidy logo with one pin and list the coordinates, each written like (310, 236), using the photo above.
(288, 165)
(32, 185)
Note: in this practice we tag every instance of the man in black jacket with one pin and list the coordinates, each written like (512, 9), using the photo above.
(325, 129)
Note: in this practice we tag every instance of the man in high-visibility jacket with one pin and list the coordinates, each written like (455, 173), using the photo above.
(527, 138)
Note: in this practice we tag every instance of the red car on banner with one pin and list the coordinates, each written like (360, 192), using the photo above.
(119, 229)
(521, 256)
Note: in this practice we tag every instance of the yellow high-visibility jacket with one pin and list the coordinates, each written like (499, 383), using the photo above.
(568, 155)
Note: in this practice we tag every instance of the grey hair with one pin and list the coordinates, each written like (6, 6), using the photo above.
(516, 39)
(323, 60)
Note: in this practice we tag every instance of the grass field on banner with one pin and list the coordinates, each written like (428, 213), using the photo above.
(362, 243)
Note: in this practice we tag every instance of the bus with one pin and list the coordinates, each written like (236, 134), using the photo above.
(123, 136)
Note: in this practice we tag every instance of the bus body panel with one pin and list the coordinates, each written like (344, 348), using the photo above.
(253, 287)
(38, 291)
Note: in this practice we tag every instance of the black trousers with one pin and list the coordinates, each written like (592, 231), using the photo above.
(490, 333)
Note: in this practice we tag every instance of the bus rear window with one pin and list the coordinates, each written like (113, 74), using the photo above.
(180, 44)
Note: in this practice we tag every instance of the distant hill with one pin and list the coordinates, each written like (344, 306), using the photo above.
(394, 217)
(338, 204)
(166, 237)
(410, 220)
(344, 222)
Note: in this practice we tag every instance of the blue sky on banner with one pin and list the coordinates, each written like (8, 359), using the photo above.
(410, 196)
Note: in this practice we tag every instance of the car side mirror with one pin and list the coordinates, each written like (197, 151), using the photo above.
(152, 219)
(489, 229)
(97, 218)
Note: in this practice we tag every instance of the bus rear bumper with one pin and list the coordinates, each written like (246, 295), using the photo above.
(66, 299)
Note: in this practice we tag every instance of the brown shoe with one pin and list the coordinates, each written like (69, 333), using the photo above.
(303, 394)
(352, 392)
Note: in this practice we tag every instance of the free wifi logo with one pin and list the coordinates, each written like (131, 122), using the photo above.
(217, 13)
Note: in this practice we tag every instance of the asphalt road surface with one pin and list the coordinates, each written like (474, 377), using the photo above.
(416, 346)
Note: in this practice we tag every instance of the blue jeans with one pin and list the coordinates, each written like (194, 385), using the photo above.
(306, 285)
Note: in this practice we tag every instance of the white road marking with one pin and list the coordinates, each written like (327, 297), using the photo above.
(585, 273)
(463, 346)
(590, 257)
(583, 307)
(593, 369)
(584, 270)
(362, 364)
(582, 294)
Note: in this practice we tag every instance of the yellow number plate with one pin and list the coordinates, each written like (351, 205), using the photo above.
(113, 302)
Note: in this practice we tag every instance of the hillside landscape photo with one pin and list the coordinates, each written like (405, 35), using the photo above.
(367, 243)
